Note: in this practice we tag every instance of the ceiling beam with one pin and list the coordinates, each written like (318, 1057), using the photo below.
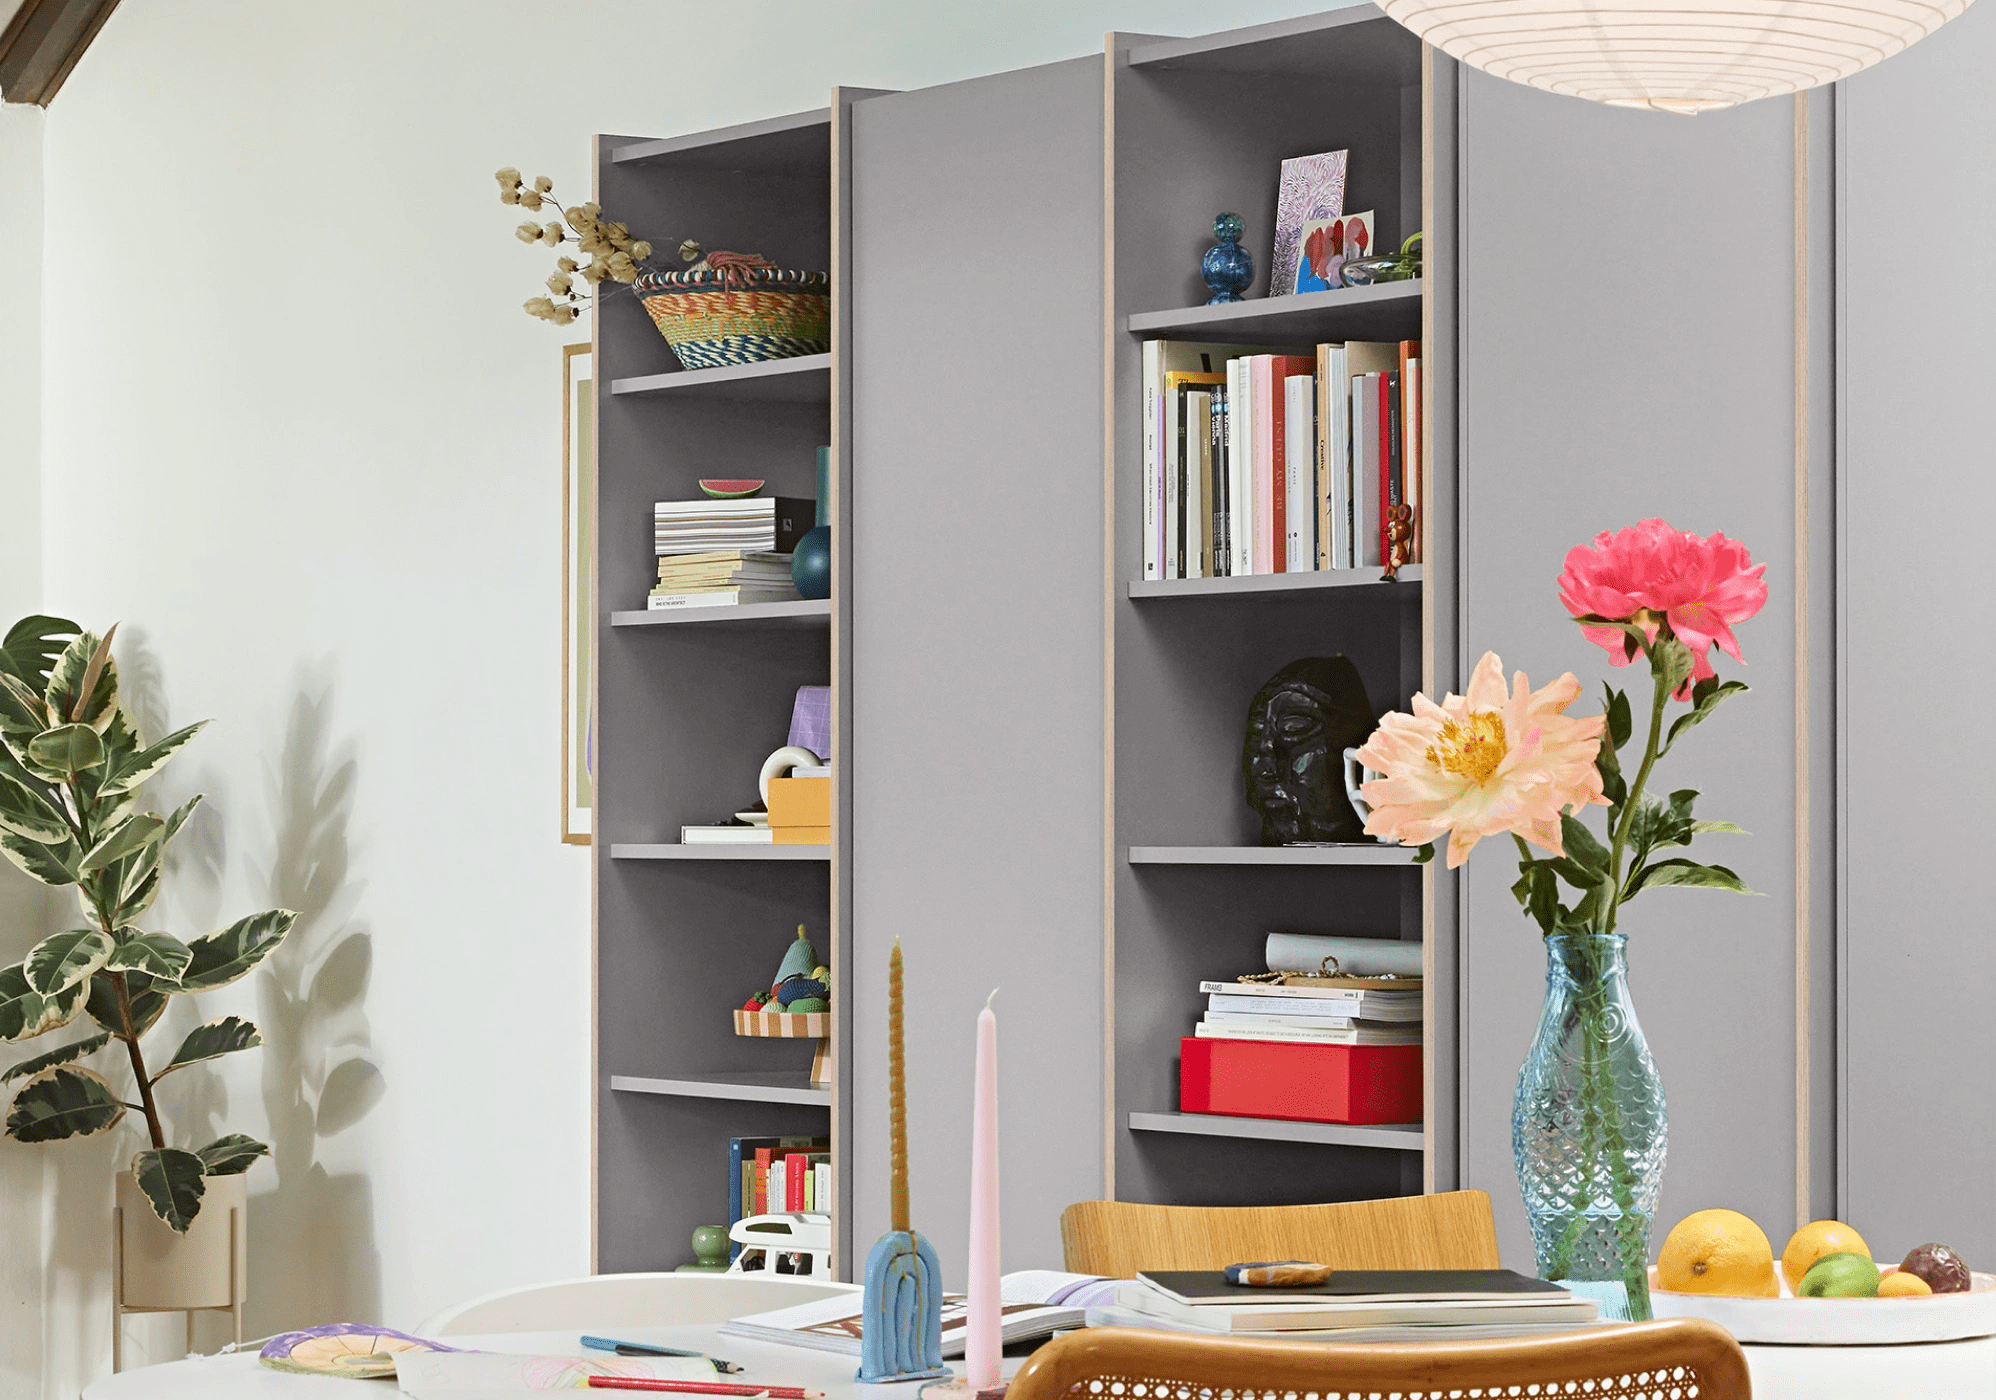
(42, 43)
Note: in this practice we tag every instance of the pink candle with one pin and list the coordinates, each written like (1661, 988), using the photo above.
(982, 1344)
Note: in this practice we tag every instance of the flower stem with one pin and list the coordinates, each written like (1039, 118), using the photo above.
(1633, 803)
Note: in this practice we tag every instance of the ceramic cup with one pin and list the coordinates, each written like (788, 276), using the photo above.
(1357, 775)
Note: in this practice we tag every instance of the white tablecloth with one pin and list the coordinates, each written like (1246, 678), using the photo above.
(1935, 1371)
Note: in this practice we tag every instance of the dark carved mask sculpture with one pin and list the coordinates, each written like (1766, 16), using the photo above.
(1298, 727)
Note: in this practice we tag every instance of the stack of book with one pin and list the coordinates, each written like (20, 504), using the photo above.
(721, 577)
(1357, 1306)
(1340, 1050)
(1259, 460)
(771, 1175)
(716, 552)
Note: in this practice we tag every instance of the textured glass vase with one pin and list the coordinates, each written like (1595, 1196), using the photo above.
(1588, 1128)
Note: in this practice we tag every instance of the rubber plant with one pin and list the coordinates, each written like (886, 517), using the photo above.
(71, 765)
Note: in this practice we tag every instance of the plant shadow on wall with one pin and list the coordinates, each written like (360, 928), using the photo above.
(313, 1253)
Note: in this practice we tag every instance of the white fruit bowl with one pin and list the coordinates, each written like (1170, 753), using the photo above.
(1840, 1322)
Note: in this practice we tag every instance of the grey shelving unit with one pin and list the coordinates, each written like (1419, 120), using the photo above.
(690, 702)
(1198, 126)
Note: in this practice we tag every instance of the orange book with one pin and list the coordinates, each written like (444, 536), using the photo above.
(797, 835)
(762, 1156)
(800, 802)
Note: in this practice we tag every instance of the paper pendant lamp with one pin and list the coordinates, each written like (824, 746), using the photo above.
(1671, 55)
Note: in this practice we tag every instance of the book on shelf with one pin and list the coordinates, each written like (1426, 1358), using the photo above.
(747, 1156)
(756, 525)
(1355, 1298)
(1366, 1033)
(658, 600)
(726, 834)
(1261, 460)
(1034, 1303)
(1402, 1332)
(1270, 999)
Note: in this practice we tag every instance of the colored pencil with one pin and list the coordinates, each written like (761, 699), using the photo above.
(775, 1392)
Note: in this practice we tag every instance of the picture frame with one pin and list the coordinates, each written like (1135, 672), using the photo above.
(578, 612)
(1312, 187)
(1326, 245)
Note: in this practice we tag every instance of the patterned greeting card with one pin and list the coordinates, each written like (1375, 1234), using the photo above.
(1326, 245)
(1313, 187)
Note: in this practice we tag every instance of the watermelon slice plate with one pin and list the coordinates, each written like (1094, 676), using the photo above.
(729, 488)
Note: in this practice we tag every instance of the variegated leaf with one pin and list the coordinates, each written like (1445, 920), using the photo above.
(158, 955)
(26, 813)
(29, 650)
(144, 863)
(61, 960)
(60, 754)
(83, 686)
(130, 772)
(25, 1013)
(23, 713)
(220, 958)
(147, 1004)
(52, 865)
(136, 895)
(231, 1155)
(174, 1181)
(211, 1041)
(64, 1102)
(75, 1050)
(121, 840)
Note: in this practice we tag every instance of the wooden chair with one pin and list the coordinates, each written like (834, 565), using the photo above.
(1641, 1361)
(1453, 1230)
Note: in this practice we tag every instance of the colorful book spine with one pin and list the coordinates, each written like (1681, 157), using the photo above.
(1153, 472)
(1240, 480)
(1222, 542)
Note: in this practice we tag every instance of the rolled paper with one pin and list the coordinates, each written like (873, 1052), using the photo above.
(897, 1099)
(983, 1345)
(1356, 957)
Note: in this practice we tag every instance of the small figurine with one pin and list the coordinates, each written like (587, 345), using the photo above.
(801, 984)
(1227, 267)
(1298, 727)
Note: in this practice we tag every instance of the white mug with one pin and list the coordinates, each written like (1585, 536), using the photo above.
(1358, 775)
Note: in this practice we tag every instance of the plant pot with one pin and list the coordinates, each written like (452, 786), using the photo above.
(161, 1270)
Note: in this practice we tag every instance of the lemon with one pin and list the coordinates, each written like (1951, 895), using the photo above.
(1813, 1241)
(1903, 1285)
(1717, 1251)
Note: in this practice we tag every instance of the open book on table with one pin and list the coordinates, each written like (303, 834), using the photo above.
(1036, 1303)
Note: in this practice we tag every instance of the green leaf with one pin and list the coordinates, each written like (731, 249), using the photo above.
(63, 1102)
(1671, 660)
(26, 812)
(212, 1041)
(25, 1013)
(231, 1155)
(1577, 875)
(61, 960)
(1425, 854)
(136, 895)
(29, 650)
(143, 764)
(52, 865)
(220, 958)
(1582, 846)
(83, 686)
(75, 1050)
(1613, 786)
(121, 840)
(1620, 723)
(62, 753)
(1718, 828)
(1703, 702)
(1686, 872)
(138, 874)
(23, 713)
(147, 1004)
(158, 955)
(174, 1181)
(1541, 898)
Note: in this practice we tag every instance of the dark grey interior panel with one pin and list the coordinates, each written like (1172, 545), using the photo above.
(976, 590)
(1918, 977)
(1618, 363)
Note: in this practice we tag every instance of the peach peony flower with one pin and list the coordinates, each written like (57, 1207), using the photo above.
(1649, 573)
(1483, 763)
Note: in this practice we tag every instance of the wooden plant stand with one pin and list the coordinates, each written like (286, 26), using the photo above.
(794, 1025)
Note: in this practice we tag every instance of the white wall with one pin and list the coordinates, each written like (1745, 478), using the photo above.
(301, 440)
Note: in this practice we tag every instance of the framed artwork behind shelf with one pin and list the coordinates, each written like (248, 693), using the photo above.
(578, 510)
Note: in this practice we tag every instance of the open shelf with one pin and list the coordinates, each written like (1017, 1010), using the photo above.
(746, 1086)
(1398, 1137)
(800, 141)
(799, 379)
(1342, 47)
(1383, 311)
(1271, 855)
(805, 612)
(1410, 578)
(675, 850)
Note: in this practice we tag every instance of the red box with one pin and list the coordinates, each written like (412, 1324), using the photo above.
(1305, 1083)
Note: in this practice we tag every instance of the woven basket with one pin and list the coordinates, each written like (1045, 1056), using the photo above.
(737, 316)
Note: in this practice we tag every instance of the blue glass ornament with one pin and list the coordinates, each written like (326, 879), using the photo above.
(811, 558)
(1227, 267)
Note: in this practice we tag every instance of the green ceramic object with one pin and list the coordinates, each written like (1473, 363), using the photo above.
(710, 1251)
(798, 960)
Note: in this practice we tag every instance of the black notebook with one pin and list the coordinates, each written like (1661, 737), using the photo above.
(1197, 1288)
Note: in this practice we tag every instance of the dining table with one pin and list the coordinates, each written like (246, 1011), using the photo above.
(1963, 1370)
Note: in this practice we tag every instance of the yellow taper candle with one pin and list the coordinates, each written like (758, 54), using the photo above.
(897, 1097)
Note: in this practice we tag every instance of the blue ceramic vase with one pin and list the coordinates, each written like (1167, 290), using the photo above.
(1227, 267)
(811, 559)
(1588, 1128)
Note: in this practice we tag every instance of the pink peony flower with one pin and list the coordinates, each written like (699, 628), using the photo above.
(1483, 763)
(1651, 573)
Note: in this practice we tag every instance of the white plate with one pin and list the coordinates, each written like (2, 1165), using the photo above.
(1840, 1322)
(753, 818)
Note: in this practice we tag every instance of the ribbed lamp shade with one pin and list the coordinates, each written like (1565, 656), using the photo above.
(1671, 55)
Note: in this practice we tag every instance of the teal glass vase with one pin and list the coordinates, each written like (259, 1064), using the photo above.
(1588, 1128)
